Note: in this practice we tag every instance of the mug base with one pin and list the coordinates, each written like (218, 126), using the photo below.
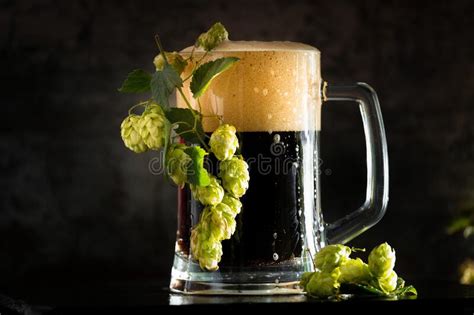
(282, 279)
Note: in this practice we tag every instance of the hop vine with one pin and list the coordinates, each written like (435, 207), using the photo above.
(162, 127)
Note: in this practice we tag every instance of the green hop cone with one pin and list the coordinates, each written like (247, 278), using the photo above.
(224, 142)
(387, 283)
(177, 163)
(354, 271)
(305, 278)
(323, 284)
(222, 224)
(210, 256)
(152, 126)
(331, 256)
(235, 176)
(204, 248)
(382, 260)
(197, 233)
(209, 195)
(174, 59)
(129, 130)
(234, 204)
(213, 37)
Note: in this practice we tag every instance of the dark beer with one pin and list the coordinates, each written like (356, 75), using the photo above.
(269, 229)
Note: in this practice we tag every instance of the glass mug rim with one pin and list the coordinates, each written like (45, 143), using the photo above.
(240, 46)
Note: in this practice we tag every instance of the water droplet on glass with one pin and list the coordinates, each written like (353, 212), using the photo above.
(276, 138)
(265, 92)
(275, 256)
(275, 235)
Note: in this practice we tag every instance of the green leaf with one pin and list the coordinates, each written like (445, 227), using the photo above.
(137, 81)
(401, 290)
(367, 289)
(197, 174)
(163, 83)
(400, 283)
(406, 291)
(203, 75)
(185, 119)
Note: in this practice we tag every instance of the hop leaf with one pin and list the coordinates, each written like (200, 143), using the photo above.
(235, 176)
(213, 37)
(206, 73)
(197, 174)
(382, 260)
(177, 164)
(163, 83)
(224, 142)
(354, 271)
(174, 59)
(234, 204)
(137, 81)
(129, 130)
(323, 284)
(211, 194)
(151, 127)
(331, 256)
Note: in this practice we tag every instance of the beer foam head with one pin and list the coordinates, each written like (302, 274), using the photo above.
(275, 86)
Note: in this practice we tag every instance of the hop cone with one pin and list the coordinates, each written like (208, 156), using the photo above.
(129, 130)
(331, 256)
(234, 204)
(174, 59)
(213, 37)
(222, 222)
(387, 283)
(323, 284)
(382, 260)
(205, 248)
(209, 195)
(211, 253)
(152, 127)
(305, 278)
(235, 176)
(177, 163)
(354, 271)
(224, 142)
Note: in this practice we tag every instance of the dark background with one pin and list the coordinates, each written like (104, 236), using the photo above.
(76, 206)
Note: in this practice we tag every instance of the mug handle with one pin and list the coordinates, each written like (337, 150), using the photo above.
(373, 209)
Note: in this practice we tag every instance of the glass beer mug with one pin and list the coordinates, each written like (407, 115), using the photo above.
(273, 96)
